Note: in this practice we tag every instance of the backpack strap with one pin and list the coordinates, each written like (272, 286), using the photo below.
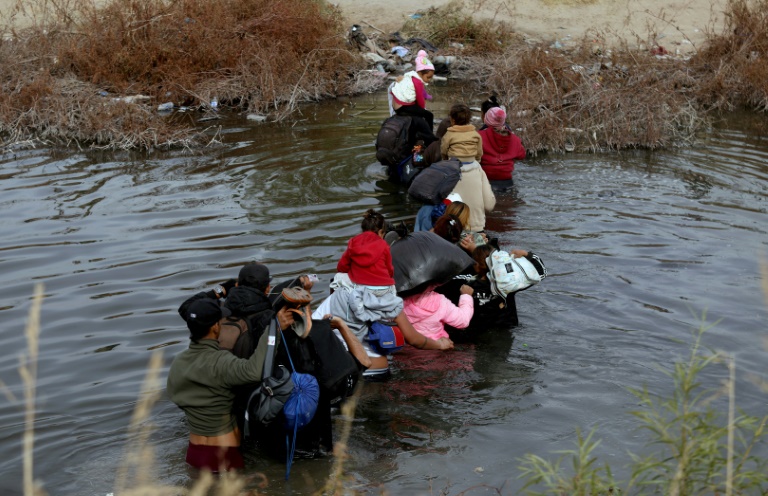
(271, 342)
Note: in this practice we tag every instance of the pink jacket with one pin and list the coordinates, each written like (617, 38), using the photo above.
(429, 311)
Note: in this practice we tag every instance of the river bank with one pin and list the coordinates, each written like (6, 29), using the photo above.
(679, 25)
(565, 69)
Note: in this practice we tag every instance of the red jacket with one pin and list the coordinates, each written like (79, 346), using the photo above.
(368, 261)
(499, 154)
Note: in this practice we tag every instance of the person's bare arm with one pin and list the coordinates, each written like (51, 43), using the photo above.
(354, 344)
(418, 340)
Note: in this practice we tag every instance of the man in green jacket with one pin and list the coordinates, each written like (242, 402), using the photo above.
(201, 381)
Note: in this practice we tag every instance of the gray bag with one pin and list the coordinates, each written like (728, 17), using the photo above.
(435, 183)
(267, 401)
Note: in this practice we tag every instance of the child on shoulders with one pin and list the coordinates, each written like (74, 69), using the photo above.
(461, 140)
(367, 262)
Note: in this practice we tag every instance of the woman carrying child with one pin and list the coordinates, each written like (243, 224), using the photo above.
(463, 142)
(409, 94)
(364, 290)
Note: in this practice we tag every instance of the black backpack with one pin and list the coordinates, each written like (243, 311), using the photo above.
(392, 142)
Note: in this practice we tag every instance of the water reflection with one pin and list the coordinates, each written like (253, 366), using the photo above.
(638, 245)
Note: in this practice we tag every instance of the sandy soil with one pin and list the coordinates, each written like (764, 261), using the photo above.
(679, 25)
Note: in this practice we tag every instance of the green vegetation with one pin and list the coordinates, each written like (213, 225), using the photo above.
(698, 449)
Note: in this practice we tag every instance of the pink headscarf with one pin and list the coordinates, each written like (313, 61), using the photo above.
(495, 117)
(423, 63)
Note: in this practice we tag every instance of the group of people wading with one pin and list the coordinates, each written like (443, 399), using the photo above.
(380, 279)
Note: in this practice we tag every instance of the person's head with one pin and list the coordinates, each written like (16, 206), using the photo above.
(424, 66)
(480, 254)
(203, 317)
(460, 114)
(254, 275)
(490, 103)
(496, 118)
(449, 228)
(460, 210)
(374, 222)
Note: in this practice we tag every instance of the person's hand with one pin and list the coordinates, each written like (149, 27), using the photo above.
(228, 285)
(285, 318)
(336, 321)
(306, 282)
(484, 236)
(468, 243)
(465, 289)
(519, 253)
(445, 344)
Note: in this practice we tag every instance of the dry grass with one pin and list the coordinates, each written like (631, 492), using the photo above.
(455, 23)
(584, 100)
(253, 55)
(732, 69)
(136, 474)
(268, 57)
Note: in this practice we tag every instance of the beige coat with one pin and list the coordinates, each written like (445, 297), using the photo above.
(476, 192)
(462, 142)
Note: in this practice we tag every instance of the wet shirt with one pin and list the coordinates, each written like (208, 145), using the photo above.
(201, 381)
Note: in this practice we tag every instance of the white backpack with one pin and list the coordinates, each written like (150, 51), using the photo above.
(510, 275)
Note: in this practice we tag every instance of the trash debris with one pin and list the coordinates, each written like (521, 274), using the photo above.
(257, 117)
(400, 51)
(164, 107)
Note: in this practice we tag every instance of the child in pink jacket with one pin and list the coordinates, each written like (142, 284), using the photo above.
(430, 311)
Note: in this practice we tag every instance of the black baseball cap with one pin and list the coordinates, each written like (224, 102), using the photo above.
(254, 275)
(203, 314)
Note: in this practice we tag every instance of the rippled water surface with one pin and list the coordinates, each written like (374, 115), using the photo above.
(639, 245)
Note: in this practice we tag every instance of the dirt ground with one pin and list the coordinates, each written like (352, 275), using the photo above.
(679, 25)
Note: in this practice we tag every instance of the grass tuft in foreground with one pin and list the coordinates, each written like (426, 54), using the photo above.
(697, 449)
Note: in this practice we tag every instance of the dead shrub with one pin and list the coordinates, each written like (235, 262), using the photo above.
(454, 23)
(580, 100)
(255, 55)
(732, 68)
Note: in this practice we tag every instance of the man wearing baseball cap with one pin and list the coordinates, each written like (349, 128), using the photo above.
(201, 381)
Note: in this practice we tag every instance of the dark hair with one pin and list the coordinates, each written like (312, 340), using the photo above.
(489, 104)
(461, 114)
(479, 255)
(449, 228)
(373, 221)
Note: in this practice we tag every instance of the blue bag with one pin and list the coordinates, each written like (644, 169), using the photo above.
(299, 408)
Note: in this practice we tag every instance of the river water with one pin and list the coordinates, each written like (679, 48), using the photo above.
(638, 245)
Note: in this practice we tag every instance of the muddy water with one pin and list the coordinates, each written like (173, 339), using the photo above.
(639, 245)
